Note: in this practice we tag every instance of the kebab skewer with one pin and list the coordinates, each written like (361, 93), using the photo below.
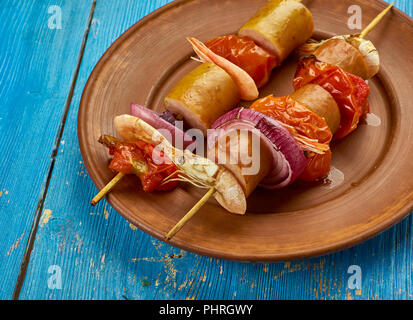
(350, 107)
(216, 86)
(352, 53)
(251, 188)
(280, 158)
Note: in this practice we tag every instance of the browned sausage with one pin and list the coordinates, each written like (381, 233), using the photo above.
(203, 95)
(280, 27)
(231, 149)
(321, 102)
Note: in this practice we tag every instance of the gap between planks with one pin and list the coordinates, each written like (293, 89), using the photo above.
(43, 193)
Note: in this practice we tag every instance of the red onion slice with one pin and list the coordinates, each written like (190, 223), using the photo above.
(168, 116)
(176, 135)
(289, 160)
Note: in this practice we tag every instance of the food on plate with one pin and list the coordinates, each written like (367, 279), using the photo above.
(246, 86)
(138, 157)
(321, 102)
(203, 95)
(279, 156)
(197, 170)
(164, 122)
(280, 27)
(282, 138)
(304, 125)
(349, 91)
(247, 55)
(339, 65)
(342, 54)
(308, 127)
(352, 53)
(247, 59)
(279, 159)
(349, 52)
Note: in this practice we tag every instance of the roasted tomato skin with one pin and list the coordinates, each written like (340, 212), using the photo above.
(318, 166)
(247, 55)
(123, 157)
(350, 94)
(361, 93)
(291, 112)
(152, 180)
(138, 158)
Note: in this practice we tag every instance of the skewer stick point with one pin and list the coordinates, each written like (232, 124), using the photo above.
(375, 21)
(107, 188)
(190, 214)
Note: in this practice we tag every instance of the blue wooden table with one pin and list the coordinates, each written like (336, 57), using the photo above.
(54, 245)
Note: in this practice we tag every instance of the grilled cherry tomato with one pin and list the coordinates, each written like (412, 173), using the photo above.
(289, 111)
(348, 91)
(138, 158)
(318, 166)
(244, 53)
(306, 123)
(361, 93)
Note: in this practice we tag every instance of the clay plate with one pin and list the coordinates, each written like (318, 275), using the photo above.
(371, 182)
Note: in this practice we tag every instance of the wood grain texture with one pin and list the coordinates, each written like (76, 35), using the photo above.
(34, 83)
(102, 256)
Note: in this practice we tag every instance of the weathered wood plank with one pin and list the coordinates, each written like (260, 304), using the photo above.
(37, 64)
(102, 257)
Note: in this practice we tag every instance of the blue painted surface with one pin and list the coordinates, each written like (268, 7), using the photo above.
(102, 256)
(34, 83)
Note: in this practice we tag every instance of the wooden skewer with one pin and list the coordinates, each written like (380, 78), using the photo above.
(190, 214)
(107, 188)
(375, 21)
